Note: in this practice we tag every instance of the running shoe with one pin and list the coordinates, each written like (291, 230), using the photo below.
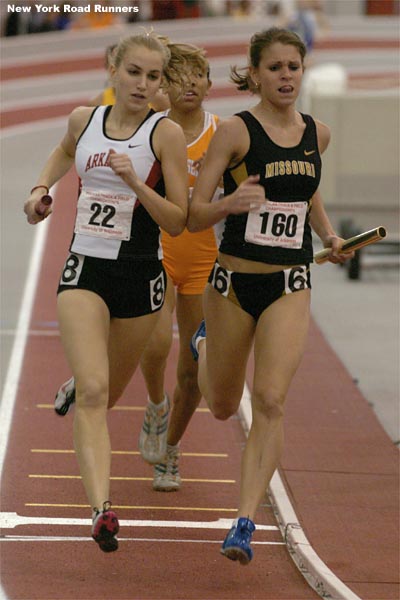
(105, 527)
(236, 545)
(199, 335)
(153, 435)
(65, 397)
(166, 474)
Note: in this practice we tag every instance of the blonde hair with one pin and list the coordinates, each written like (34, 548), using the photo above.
(258, 43)
(176, 57)
(192, 56)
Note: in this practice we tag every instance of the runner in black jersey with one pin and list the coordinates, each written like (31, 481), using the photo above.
(132, 165)
(259, 289)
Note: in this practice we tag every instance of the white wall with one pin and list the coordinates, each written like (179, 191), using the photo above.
(361, 165)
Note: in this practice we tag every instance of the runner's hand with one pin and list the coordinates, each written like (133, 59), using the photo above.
(121, 164)
(250, 195)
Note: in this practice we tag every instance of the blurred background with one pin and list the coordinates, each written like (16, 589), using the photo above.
(53, 60)
(129, 11)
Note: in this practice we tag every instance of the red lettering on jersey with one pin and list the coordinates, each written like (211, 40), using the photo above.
(107, 163)
(98, 160)
(88, 164)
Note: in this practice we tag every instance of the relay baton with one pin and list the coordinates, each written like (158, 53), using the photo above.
(43, 205)
(353, 243)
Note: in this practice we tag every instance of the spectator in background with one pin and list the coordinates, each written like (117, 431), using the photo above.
(164, 9)
(63, 19)
(304, 17)
(189, 9)
(97, 20)
(175, 9)
(35, 21)
(14, 24)
(238, 8)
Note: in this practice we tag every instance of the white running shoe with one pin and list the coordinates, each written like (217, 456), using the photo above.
(166, 474)
(65, 397)
(153, 435)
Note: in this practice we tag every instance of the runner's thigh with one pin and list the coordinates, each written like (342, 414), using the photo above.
(280, 339)
(128, 338)
(229, 338)
(84, 326)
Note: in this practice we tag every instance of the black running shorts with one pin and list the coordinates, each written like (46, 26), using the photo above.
(129, 288)
(254, 292)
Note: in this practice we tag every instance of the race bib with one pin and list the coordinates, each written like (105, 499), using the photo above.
(105, 214)
(278, 224)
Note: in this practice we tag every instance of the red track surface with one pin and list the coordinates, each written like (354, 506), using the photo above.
(339, 466)
(340, 469)
(151, 565)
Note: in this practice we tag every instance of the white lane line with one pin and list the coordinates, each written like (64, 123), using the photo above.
(18, 350)
(11, 520)
(314, 570)
(38, 538)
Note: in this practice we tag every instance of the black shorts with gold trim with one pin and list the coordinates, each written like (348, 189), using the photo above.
(254, 292)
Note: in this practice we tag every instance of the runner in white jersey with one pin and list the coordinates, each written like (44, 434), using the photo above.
(132, 164)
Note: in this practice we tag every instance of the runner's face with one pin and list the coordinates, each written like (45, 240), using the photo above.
(138, 77)
(279, 74)
(193, 93)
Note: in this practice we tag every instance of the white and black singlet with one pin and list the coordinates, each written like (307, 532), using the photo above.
(110, 221)
(115, 250)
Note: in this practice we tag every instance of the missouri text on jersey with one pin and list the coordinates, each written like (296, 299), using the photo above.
(289, 167)
(69, 8)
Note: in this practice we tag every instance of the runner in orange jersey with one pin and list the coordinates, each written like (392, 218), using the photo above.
(188, 260)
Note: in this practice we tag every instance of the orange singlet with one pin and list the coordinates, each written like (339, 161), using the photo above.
(108, 96)
(189, 257)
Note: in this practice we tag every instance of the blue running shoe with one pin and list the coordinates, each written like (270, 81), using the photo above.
(200, 334)
(236, 545)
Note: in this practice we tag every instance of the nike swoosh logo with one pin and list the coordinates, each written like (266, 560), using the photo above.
(308, 152)
(134, 146)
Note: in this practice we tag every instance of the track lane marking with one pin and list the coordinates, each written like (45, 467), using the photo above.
(27, 538)
(131, 452)
(10, 520)
(120, 478)
(125, 407)
(120, 539)
(18, 350)
(128, 507)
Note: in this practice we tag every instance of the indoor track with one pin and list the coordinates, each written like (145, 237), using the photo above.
(339, 467)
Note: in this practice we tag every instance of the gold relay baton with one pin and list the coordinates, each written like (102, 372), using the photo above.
(353, 243)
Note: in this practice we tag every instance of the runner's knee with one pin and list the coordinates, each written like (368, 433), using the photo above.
(92, 393)
(268, 403)
(223, 405)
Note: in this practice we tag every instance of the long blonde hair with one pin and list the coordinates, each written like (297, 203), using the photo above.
(176, 57)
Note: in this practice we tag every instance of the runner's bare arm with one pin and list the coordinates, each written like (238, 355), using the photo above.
(59, 162)
(322, 226)
(227, 147)
(319, 219)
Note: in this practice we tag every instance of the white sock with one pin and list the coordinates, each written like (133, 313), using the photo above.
(161, 405)
(171, 447)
